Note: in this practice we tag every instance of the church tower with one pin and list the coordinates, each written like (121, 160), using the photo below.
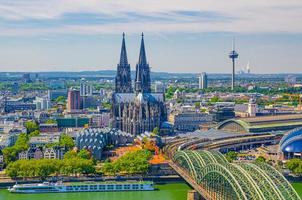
(142, 77)
(123, 76)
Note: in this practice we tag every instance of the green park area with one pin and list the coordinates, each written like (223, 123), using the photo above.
(298, 187)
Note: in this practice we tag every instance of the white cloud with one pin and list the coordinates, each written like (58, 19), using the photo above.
(243, 16)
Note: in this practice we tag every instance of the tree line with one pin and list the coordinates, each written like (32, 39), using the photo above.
(131, 163)
(73, 164)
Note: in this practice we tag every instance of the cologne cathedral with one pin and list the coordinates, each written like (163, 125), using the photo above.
(136, 110)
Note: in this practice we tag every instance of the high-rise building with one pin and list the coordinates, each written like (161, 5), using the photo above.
(203, 81)
(26, 78)
(141, 111)
(86, 88)
(73, 100)
(42, 103)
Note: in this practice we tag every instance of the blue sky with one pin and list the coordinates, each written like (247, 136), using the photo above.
(180, 36)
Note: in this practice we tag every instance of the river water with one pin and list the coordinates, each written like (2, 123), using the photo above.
(171, 191)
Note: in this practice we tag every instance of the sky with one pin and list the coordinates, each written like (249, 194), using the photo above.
(180, 35)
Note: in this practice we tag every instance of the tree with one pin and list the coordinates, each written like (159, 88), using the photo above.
(70, 154)
(84, 154)
(131, 163)
(231, 156)
(260, 159)
(31, 126)
(295, 166)
(155, 131)
(34, 133)
(10, 154)
(60, 99)
(215, 99)
(51, 121)
(66, 141)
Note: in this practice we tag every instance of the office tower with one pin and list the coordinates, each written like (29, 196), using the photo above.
(86, 88)
(73, 100)
(203, 81)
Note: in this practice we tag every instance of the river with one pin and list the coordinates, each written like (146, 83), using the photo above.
(171, 191)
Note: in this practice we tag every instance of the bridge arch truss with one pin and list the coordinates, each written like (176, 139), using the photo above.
(224, 180)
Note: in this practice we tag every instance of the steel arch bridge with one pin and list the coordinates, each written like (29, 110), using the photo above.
(220, 179)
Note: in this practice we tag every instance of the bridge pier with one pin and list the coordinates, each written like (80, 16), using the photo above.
(193, 195)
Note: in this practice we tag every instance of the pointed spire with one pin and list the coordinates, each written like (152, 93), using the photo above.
(233, 43)
(142, 54)
(123, 75)
(123, 57)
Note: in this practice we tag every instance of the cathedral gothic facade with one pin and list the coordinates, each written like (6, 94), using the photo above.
(136, 109)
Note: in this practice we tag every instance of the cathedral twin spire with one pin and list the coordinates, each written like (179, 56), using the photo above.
(142, 76)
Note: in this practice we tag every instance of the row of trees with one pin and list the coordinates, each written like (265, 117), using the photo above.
(131, 163)
(238, 89)
(73, 164)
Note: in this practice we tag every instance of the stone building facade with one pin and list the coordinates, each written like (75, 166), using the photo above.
(140, 110)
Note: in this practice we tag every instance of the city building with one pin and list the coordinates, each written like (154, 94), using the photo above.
(100, 120)
(96, 139)
(252, 108)
(73, 100)
(203, 81)
(48, 128)
(43, 139)
(13, 105)
(159, 87)
(291, 144)
(290, 79)
(72, 122)
(23, 155)
(189, 121)
(57, 84)
(26, 78)
(53, 94)
(86, 88)
(42, 103)
(139, 111)
(262, 124)
(49, 153)
(223, 111)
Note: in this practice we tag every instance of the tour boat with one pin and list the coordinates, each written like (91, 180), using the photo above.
(48, 187)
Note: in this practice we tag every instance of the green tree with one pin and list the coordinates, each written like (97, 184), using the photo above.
(260, 159)
(31, 126)
(131, 163)
(231, 156)
(51, 121)
(84, 154)
(155, 131)
(34, 133)
(66, 141)
(295, 166)
(60, 99)
(70, 154)
(10, 154)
